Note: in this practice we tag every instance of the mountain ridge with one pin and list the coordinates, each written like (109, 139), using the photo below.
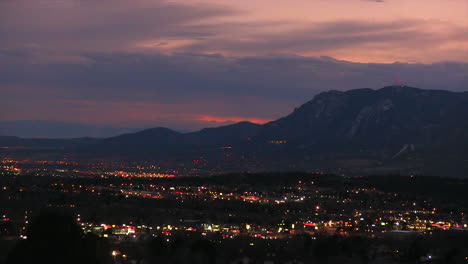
(401, 127)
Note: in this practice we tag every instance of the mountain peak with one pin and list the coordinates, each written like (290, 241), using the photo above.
(395, 127)
(158, 130)
(329, 93)
(239, 125)
(399, 89)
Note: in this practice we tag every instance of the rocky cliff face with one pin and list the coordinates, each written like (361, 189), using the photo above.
(392, 115)
(396, 127)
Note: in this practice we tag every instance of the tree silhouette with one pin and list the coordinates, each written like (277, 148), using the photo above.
(203, 252)
(157, 251)
(54, 237)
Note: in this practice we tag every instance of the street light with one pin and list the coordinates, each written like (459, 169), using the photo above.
(114, 254)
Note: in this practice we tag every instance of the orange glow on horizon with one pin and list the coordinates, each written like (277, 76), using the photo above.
(224, 119)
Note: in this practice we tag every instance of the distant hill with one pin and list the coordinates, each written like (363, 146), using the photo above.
(394, 129)
(146, 141)
(46, 143)
(51, 129)
(156, 140)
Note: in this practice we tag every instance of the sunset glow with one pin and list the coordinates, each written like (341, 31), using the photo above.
(190, 63)
(231, 119)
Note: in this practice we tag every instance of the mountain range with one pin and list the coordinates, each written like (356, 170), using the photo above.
(53, 129)
(396, 129)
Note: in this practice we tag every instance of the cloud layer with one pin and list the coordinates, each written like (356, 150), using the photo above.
(337, 28)
(187, 64)
(189, 90)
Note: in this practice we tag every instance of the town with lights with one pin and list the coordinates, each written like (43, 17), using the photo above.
(303, 217)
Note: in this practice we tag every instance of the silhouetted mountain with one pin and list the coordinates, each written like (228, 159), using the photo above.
(51, 129)
(385, 118)
(224, 135)
(163, 139)
(396, 128)
(47, 143)
(148, 140)
(392, 128)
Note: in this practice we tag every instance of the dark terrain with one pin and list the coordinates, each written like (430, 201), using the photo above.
(396, 129)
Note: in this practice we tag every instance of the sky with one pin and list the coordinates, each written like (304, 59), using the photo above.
(189, 64)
